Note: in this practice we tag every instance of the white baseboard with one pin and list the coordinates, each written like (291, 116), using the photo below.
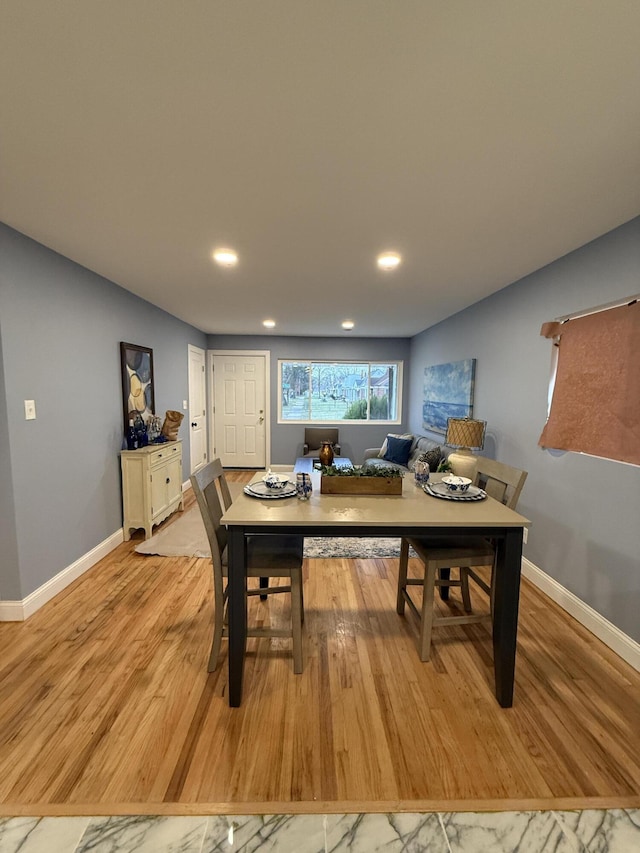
(11, 611)
(18, 611)
(613, 637)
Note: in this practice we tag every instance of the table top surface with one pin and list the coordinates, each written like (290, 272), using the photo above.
(413, 508)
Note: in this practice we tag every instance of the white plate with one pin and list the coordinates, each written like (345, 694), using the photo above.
(439, 490)
(261, 490)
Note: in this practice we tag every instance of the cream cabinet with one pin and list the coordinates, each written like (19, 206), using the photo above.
(151, 485)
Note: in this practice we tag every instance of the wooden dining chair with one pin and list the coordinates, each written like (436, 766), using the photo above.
(438, 557)
(269, 556)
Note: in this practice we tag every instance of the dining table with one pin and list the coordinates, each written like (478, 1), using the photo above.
(413, 513)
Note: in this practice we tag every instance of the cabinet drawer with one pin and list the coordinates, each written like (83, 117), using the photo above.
(161, 456)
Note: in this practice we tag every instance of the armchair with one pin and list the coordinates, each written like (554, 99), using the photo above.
(313, 438)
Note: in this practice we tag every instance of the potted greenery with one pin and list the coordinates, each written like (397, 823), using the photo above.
(360, 481)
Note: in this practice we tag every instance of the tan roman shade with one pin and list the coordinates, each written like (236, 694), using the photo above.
(595, 407)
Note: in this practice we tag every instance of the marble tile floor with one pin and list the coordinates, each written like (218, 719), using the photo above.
(592, 831)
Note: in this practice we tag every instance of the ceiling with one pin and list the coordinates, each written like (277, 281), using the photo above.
(481, 141)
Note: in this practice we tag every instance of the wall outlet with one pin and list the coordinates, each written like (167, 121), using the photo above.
(29, 410)
(525, 534)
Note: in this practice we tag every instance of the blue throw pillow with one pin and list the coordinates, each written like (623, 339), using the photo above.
(398, 450)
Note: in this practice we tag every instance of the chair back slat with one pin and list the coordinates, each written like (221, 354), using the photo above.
(208, 484)
(500, 481)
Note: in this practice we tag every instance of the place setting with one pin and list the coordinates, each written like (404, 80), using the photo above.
(453, 488)
(271, 487)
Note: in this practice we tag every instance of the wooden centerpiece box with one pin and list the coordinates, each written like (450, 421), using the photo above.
(350, 481)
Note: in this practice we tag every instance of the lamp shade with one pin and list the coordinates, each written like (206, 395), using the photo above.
(465, 432)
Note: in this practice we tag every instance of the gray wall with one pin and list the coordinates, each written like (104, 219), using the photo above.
(9, 578)
(585, 511)
(287, 439)
(61, 327)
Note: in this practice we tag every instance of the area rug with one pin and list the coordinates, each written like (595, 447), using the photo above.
(185, 536)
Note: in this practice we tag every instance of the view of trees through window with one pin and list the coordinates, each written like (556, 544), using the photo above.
(336, 391)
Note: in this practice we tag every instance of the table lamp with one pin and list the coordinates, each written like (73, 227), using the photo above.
(466, 434)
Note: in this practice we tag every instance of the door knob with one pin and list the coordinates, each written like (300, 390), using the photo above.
(261, 419)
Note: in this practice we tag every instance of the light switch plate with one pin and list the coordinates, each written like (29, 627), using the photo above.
(184, 404)
(29, 410)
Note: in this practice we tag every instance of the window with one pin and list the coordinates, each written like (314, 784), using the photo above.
(334, 392)
(595, 384)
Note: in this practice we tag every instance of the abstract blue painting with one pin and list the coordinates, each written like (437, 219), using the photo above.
(448, 393)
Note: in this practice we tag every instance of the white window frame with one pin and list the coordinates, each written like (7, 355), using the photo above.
(399, 365)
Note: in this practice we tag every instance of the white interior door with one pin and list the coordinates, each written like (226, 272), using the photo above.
(197, 408)
(239, 399)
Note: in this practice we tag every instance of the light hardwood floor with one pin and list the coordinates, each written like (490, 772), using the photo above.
(106, 706)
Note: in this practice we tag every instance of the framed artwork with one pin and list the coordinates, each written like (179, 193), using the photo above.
(137, 382)
(448, 393)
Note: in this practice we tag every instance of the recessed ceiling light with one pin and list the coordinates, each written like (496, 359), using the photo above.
(389, 261)
(225, 257)
(269, 324)
(348, 325)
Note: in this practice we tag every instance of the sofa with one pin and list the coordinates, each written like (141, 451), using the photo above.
(420, 444)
